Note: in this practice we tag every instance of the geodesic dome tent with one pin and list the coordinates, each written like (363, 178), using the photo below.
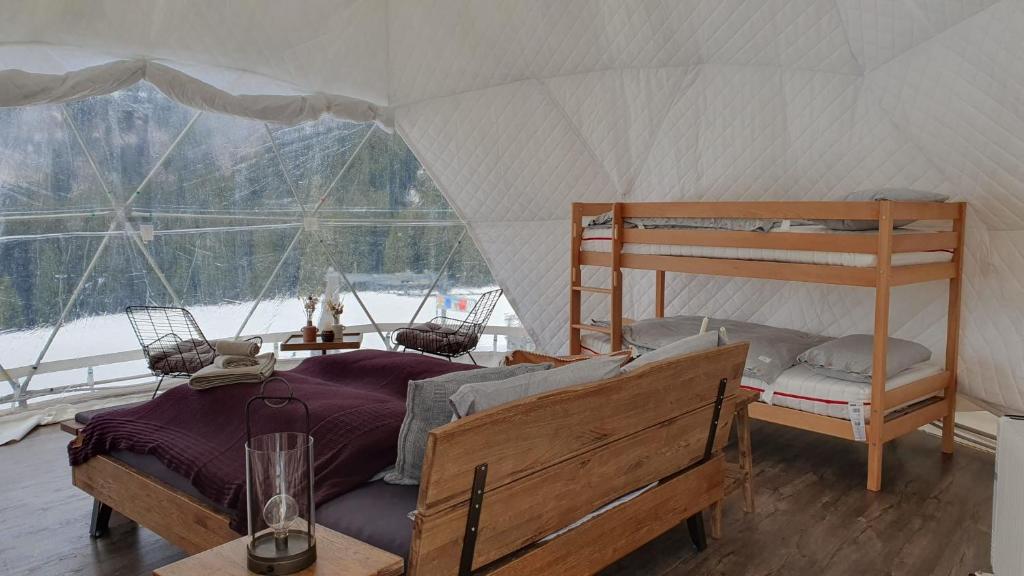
(517, 108)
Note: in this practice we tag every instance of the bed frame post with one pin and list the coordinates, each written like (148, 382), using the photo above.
(876, 446)
(659, 294)
(953, 331)
(616, 304)
(99, 523)
(576, 280)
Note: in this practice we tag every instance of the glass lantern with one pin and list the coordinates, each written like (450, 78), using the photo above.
(279, 490)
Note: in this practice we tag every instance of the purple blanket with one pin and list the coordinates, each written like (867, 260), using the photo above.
(356, 402)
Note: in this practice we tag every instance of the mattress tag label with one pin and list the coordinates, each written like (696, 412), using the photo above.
(767, 395)
(765, 359)
(857, 421)
(784, 226)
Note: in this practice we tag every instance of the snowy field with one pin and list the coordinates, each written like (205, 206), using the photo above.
(112, 333)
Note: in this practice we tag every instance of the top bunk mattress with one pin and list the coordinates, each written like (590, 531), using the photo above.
(598, 239)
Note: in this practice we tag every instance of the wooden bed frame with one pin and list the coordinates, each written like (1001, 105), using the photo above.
(497, 482)
(935, 396)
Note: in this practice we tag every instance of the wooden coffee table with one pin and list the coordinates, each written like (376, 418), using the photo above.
(348, 341)
(337, 555)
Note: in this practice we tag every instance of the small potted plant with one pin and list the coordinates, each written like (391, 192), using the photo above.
(309, 306)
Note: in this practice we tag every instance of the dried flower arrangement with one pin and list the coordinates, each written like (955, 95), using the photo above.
(335, 308)
(309, 305)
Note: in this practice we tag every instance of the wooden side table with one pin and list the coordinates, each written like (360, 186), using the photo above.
(348, 341)
(337, 555)
(741, 474)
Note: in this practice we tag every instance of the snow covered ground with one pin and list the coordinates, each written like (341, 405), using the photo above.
(112, 333)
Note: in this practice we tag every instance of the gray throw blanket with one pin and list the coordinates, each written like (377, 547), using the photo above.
(772, 350)
(740, 224)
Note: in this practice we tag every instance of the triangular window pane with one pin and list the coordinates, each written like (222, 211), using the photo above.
(43, 171)
(127, 132)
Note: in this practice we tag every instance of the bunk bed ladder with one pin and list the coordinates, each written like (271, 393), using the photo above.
(577, 289)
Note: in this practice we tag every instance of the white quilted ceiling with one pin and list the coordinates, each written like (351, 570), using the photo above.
(519, 107)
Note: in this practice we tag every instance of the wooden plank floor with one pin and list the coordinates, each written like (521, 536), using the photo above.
(814, 516)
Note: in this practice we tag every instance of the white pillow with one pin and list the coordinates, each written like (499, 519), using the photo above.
(688, 345)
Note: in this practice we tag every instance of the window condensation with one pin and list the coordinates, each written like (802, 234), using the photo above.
(132, 199)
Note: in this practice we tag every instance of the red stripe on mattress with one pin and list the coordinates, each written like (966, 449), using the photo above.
(799, 397)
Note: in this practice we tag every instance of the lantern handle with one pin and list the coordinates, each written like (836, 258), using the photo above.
(272, 402)
(269, 400)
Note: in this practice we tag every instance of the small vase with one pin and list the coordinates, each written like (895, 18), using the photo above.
(339, 331)
(327, 336)
(309, 333)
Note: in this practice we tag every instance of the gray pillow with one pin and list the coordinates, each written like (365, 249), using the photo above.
(426, 408)
(473, 398)
(688, 345)
(850, 357)
(894, 194)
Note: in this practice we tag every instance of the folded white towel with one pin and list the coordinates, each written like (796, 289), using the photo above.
(236, 348)
(229, 362)
(213, 375)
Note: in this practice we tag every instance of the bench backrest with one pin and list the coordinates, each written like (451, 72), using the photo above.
(543, 462)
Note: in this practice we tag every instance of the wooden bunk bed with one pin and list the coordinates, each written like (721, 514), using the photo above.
(930, 398)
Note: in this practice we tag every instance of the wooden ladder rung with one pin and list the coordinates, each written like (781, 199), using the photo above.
(592, 328)
(593, 289)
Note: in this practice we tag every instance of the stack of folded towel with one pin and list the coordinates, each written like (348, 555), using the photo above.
(236, 363)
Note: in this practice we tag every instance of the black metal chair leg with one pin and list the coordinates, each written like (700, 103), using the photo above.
(695, 524)
(100, 522)
(473, 359)
(158, 383)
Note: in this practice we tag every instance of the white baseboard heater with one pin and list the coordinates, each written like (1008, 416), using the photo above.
(1008, 503)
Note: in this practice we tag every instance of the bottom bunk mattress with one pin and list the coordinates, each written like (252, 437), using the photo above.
(801, 388)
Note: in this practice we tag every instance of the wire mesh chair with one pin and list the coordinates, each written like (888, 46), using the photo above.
(448, 337)
(171, 340)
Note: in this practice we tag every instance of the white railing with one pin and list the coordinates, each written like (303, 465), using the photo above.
(87, 362)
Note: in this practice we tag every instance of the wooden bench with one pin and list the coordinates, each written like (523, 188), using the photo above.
(496, 483)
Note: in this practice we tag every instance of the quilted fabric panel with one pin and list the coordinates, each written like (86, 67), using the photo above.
(506, 153)
(958, 98)
(444, 47)
(618, 113)
(525, 259)
(880, 31)
(331, 46)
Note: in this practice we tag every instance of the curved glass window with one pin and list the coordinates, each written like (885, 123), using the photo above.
(133, 199)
